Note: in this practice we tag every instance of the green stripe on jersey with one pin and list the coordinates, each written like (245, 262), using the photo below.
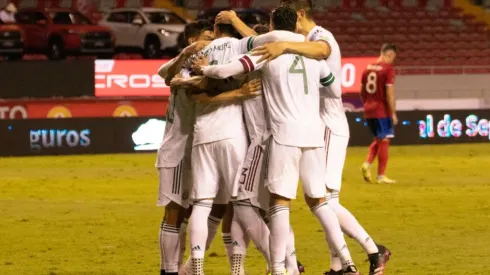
(326, 81)
(250, 43)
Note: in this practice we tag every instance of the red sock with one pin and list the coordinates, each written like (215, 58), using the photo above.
(373, 151)
(383, 156)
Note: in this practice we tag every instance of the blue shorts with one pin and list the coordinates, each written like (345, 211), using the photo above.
(381, 127)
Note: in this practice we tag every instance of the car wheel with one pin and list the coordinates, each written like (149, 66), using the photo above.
(152, 48)
(55, 49)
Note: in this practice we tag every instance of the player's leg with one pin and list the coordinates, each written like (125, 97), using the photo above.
(183, 235)
(204, 190)
(239, 246)
(173, 195)
(312, 173)
(373, 125)
(214, 220)
(252, 198)
(282, 177)
(378, 255)
(385, 133)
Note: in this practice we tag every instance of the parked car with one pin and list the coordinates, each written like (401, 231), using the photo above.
(61, 32)
(11, 41)
(147, 30)
(251, 17)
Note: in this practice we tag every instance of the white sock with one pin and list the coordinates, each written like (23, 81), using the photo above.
(198, 231)
(162, 254)
(291, 261)
(183, 240)
(332, 230)
(351, 226)
(171, 247)
(256, 229)
(213, 225)
(239, 246)
(279, 228)
(335, 262)
(226, 237)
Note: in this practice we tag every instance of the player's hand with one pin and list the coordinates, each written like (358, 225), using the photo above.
(269, 51)
(225, 17)
(200, 61)
(195, 47)
(251, 88)
(395, 119)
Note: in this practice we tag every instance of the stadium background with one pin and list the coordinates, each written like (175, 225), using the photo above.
(94, 214)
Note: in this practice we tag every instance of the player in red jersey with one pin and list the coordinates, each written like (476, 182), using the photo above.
(378, 95)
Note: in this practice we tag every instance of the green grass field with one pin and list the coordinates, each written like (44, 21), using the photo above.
(97, 215)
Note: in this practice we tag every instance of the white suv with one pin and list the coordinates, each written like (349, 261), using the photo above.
(149, 30)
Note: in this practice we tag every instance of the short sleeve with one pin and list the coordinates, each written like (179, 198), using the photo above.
(326, 75)
(244, 45)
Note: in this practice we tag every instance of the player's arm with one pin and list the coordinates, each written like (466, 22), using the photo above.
(230, 17)
(243, 65)
(248, 89)
(390, 94)
(176, 66)
(249, 43)
(163, 70)
(326, 80)
(316, 50)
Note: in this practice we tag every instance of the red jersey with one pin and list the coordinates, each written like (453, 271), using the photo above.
(374, 81)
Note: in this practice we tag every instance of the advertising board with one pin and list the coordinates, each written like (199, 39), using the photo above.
(140, 78)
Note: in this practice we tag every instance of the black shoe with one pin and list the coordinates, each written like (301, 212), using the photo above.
(333, 272)
(351, 270)
(162, 272)
(378, 261)
(301, 268)
(172, 273)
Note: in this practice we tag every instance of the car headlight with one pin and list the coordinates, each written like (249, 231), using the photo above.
(166, 33)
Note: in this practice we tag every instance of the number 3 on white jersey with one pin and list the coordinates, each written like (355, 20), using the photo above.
(371, 83)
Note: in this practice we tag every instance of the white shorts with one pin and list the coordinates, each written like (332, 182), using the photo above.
(214, 168)
(175, 184)
(286, 165)
(252, 176)
(336, 150)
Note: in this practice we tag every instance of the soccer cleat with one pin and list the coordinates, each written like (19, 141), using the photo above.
(378, 261)
(351, 270)
(162, 272)
(385, 179)
(333, 272)
(301, 267)
(366, 172)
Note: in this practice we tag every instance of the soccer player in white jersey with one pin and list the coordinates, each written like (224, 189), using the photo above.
(322, 45)
(252, 200)
(297, 139)
(219, 148)
(173, 162)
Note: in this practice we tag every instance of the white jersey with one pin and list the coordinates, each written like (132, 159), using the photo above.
(332, 109)
(291, 92)
(254, 114)
(178, 128)
(216, 122)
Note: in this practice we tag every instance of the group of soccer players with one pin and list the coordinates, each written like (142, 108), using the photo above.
(252, 112)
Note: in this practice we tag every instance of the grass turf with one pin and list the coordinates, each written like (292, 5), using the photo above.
(97, 214)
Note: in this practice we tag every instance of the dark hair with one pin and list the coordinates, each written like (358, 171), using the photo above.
(261, 29)
(194, 29)
(387, 47)
(297, 5)
(284, 19)
(228, 29)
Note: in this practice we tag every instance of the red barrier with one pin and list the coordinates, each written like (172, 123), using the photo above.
(140, 78)
(38, 109)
